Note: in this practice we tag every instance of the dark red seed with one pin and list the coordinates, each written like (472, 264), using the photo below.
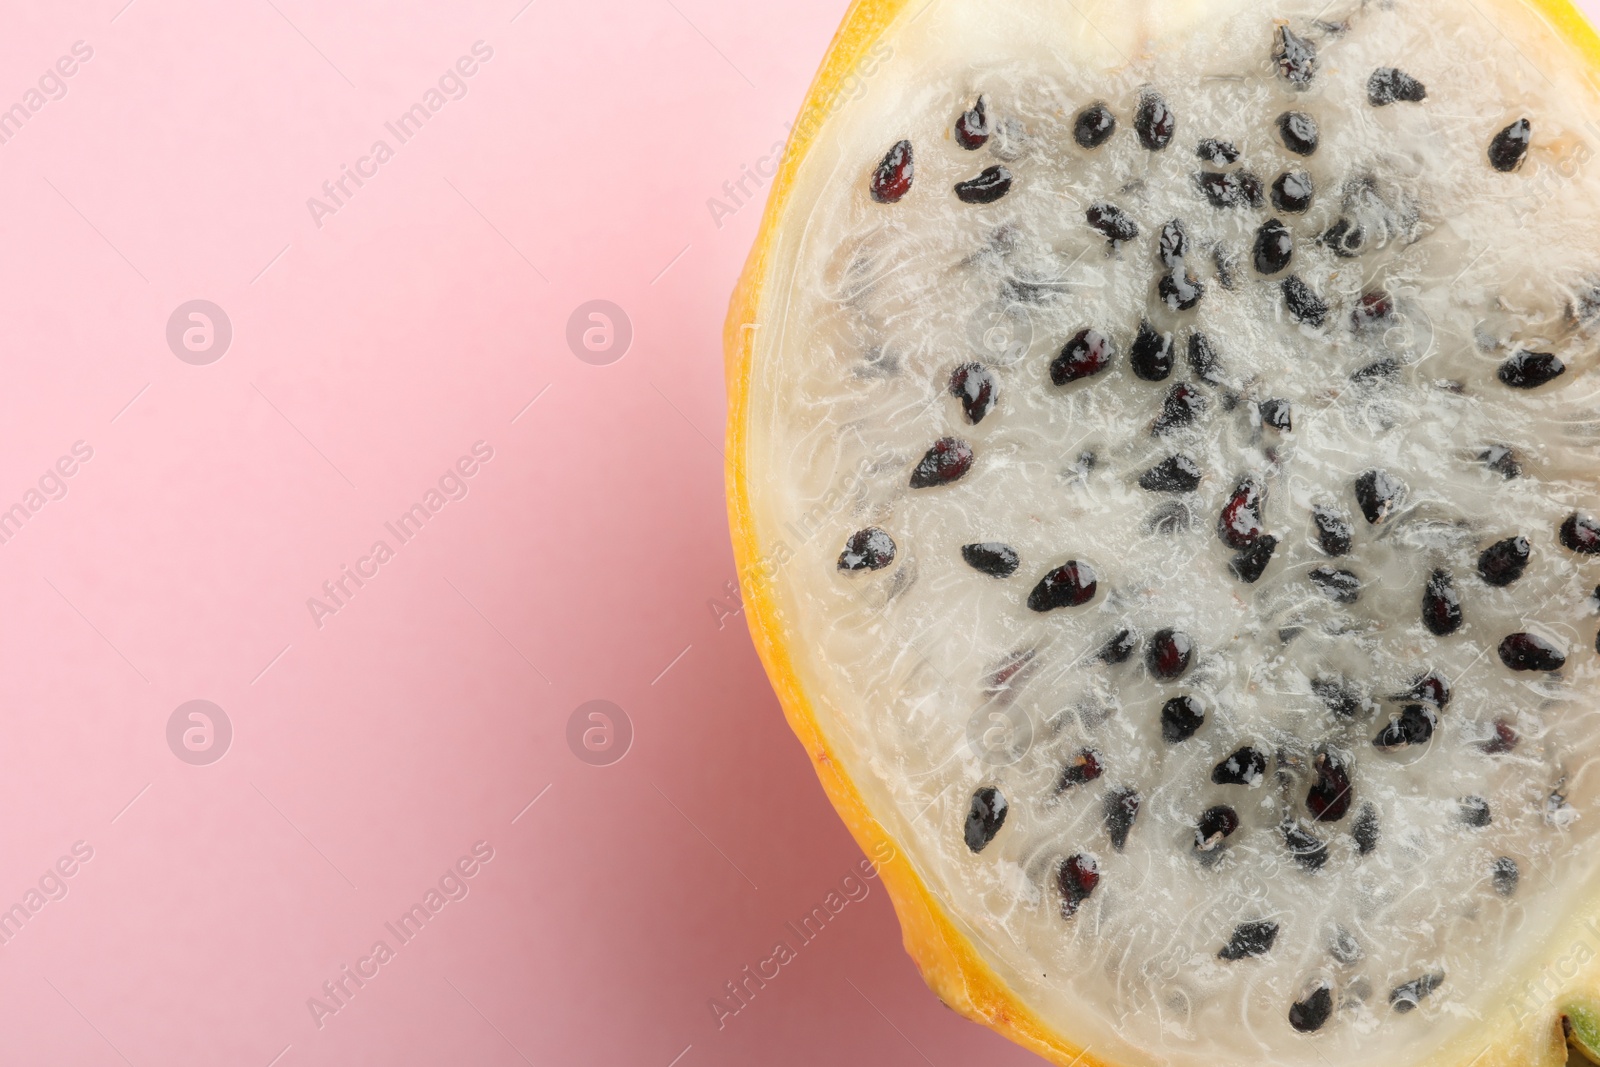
(1530, 652)
(1374, 310)
(1070, 585)
(1175, 474)
(1244, 767)
(1250, 939)
(946, 461)
(1329, 797)
(1292, 192)
(1581, 534)
(1432, 688)
(992, 558)
(1441, 604)
(1299, 132)
(1529, 370)
(1083, 768)
(1215, 824)
(1413, 727)
(1504, 561)
(1379, 494)
(1339, 586)
(1308, 1014)
(1169, 654)
(1154, 122)
(972, 128)
(892, 179)
(1094, 126)
(1388, 84)
(1504, 739)
(1118, 648)
(977, 388)
(1296, 58)
(1251, 563)
(1181, 406)
(1235, 188)
(1303, 302)
(1510, 146)
(1277, 413)
(1203, 359)
(1334, 532)
(990, 185)
(1217, 153)
(1344, 239)
(1308, 851)
(1121, 809)
(1274, 247)
(1151, 354)
(1240, 523)
(1115, 224)
(870, 549)
(1180, 718)
(1077, 878)
(1172, 244)
(1087, 354)
(1180, 292)
(985, 816)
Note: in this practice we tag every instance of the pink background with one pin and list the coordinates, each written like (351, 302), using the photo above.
(587, 561)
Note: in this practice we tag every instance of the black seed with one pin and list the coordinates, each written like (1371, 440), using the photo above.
(1302, 301)
(1172, 244)
(1344, 947)
(985, 817)
(1250, 939)
(1151, 355)
(1083, 768)
(1333, 530)
(1181, 406)
(1203, 359)
(1250, 563)
(1504, 561)
(1336, 696)
(1474, 812)
(1244, 767)
(1180, 718)
(1365, 829)
(1382, 370)
(1118, 648)
(1299, 132)
(1530, 652)
(1502, 460)
(972, 128)
(1180, 293)
(1510, 146)
(1309, 1015)
(1094, 126)
(1215, 824)
(990, 185)
(1113, 222)
(1308, 851)
(1581, 534)
(992, 558)
(1154, 122)
(1388, 84)
(1431, 688)
(1278, 414)
(1413, 727)
(1232, 188)
(1329, 797)
(1372, 311)
(1529, 370)
(1504, 873)
(1292, 192)
(946, 461)
(1087, 354)
(1121, 809)
(870, 549)
(1344, 239)
(1405, 997)
(892, 179)
(1070, 585)
(1175, 474)
(1240, 523)
(1503, 741)
(1170, 518)
(977, 388)
(1379, 493)
(1169, 654)
(1340, 586)
(1217, 153)
(1076, 878)
(1296, 58)
(1441, 604)
(1274, 247)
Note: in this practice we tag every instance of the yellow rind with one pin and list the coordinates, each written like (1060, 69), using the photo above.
(949, 963)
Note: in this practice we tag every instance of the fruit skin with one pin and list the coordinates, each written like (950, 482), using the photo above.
(951, 965)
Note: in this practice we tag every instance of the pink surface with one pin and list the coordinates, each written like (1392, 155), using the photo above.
(382, 346)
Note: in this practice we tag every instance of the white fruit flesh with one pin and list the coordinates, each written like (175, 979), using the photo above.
(873, 305)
